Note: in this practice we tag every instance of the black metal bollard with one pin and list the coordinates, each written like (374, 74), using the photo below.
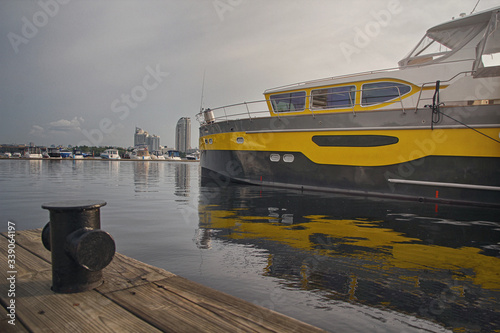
(80, 250)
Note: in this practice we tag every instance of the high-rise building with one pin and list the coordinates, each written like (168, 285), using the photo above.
(140, 137)
(143, 139)
(183, 134)
(153, 142)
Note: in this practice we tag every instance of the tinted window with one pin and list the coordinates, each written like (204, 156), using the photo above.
(338, 97)
(380, 92)
(289, 102)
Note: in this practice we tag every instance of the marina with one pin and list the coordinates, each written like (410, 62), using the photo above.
(345, 175)
(337, 262)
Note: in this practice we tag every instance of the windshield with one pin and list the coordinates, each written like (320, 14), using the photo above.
(441, 42)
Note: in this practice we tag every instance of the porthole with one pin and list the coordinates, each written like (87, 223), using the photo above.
(288, 158)
(240, 140)
(275, 157)
(210, 141)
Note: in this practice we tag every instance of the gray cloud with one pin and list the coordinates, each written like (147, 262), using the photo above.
(86, 54)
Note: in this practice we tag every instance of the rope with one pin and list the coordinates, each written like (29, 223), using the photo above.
(437, 114)
(469, 127)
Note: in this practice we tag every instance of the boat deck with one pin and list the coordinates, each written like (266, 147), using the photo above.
(135, 297)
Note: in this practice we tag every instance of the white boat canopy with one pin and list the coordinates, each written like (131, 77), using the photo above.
(447, 39)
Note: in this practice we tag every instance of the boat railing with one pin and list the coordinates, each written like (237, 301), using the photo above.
(427, 84)
(332, 78)
(249, 110)
(260, 108)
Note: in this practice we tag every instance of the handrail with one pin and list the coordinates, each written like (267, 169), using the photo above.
(345, 76)
(434, 82)
(202, 119)
(352, 104)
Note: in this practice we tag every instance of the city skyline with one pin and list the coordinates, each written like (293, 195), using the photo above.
(143, 138)
(71, 80)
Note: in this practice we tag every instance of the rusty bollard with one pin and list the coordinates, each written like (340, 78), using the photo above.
(80, 249)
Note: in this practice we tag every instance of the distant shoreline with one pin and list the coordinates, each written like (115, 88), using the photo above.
(88, 159)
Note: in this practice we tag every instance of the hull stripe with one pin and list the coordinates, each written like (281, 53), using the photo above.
(370, 128)
(456, 185)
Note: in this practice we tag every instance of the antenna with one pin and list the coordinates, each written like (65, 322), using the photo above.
(477, 3)
(202, 90)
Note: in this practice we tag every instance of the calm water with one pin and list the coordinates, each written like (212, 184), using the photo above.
(346, 264)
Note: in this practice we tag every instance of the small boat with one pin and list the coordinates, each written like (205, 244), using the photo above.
(173, 155)
(157, 155)
(78, 155)
(54, 153)
(16, 154)
(427, 130)
(110, 154)
(7, 154)
(65, 153)
(193, 156)
(140, 154)
(32, 152)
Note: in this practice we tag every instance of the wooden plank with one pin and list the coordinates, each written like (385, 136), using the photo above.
(32, 241)
(123, 272)
(234, 309)
(42, 310)
(170, 312)
(5, 327)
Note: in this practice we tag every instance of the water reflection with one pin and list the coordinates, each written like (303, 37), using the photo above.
(182, 180)
(146, 176)
(35, 167)
(437, 263)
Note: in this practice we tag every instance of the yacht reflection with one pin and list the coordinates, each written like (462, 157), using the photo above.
(181, 179)
(403, 256)
(146, 176)
(35, 167)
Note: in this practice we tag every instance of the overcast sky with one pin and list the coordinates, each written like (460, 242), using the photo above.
(90, 71)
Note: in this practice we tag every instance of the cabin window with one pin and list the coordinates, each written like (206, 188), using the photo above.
(332, 98)
(289, 102)
(380, 92)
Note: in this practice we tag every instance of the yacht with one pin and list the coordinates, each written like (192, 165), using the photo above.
(77, 154)
(426, 130)
(32, 152)
(54, 153)
(110, 154)
(157, 155)
(140, 154)
(173, 155)
(65, 153)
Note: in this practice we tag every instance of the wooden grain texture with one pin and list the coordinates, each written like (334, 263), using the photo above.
(233, 309)
(123, 272)
(135, 297)
(5, 327)
(42, 310)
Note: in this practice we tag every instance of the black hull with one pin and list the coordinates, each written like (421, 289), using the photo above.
(255, 167)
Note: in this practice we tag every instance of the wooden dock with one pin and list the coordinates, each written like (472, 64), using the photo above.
(135, 297)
